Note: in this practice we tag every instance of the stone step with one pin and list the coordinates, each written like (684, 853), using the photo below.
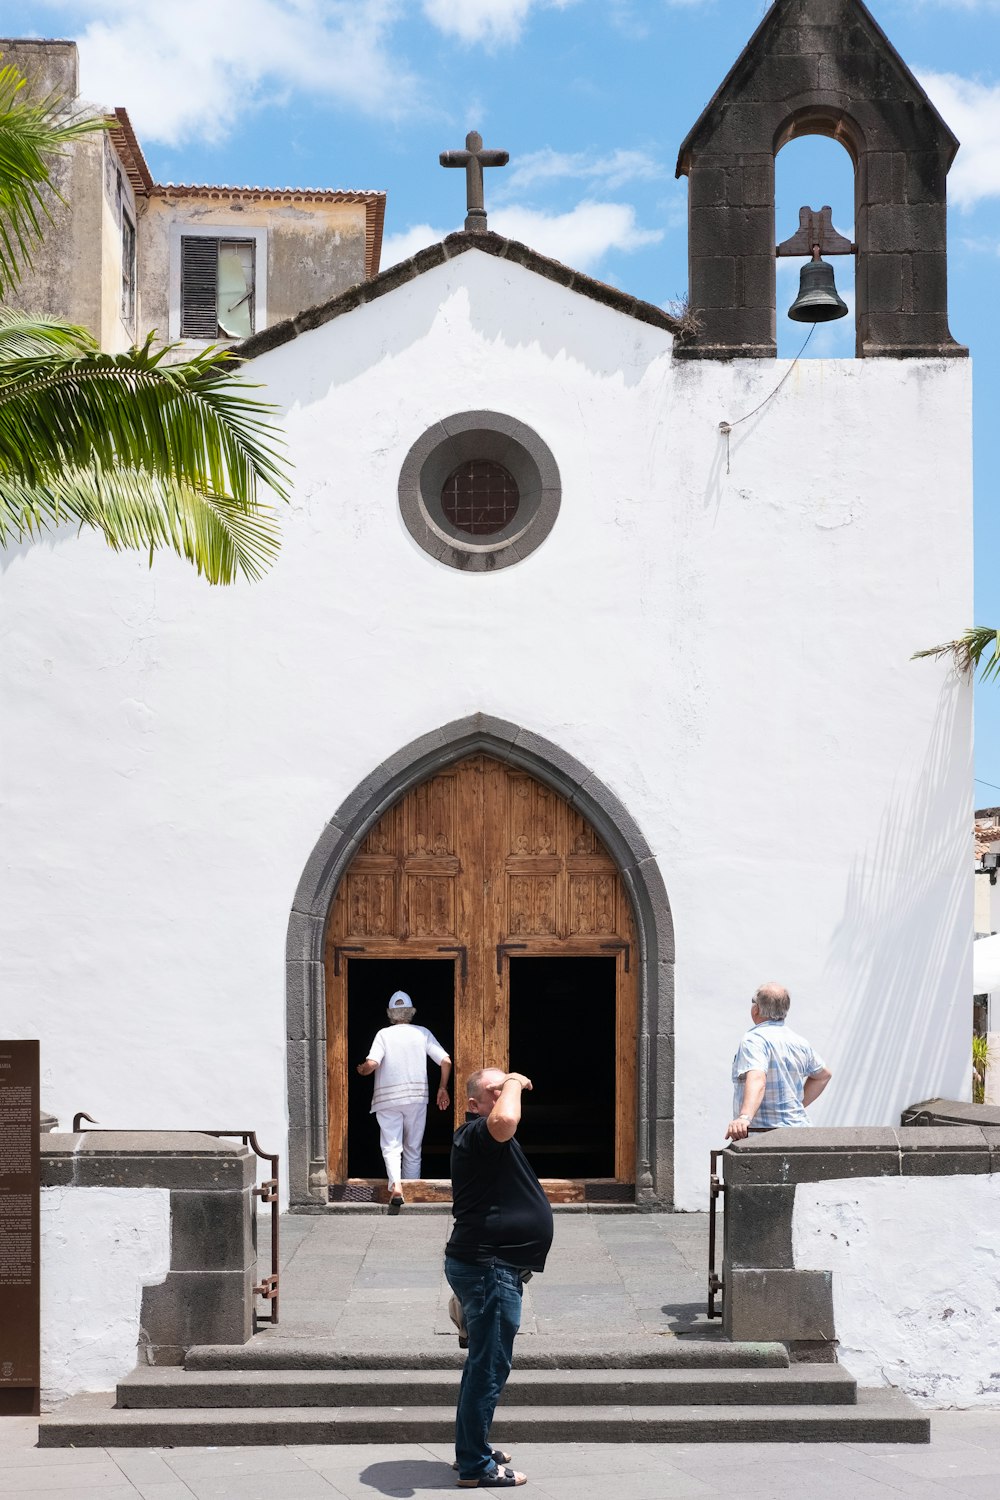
(880, 1416)
(442, 1210)
(171, 1387)
(271, 1352)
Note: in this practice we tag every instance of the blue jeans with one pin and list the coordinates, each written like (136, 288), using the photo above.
(491, 1301)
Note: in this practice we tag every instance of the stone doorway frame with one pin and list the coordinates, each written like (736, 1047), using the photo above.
(339, 842)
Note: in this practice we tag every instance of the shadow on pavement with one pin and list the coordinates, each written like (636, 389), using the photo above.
(406, 1476)
(690, 1317)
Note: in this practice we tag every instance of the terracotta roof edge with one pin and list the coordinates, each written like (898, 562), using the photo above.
(126, 143)
(196, 189)
(374, 225)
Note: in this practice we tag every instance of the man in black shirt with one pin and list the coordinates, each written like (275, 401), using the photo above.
(503, 1230)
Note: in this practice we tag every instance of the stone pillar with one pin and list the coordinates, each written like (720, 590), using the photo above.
(766, 1296)
(731, 253)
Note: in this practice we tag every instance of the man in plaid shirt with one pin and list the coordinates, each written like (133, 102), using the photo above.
(776, 1073)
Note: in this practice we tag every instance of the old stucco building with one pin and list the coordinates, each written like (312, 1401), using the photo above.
(127, 256)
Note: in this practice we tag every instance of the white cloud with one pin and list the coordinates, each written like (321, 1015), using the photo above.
(611, 171)
(493, 22)
(980, 244)
(193, 67)
(972, 109)
(397, 247)
(580, 238)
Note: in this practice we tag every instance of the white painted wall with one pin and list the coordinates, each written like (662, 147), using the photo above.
(728, 651)
(987, 904)
(100, 1247)
(916, 1285)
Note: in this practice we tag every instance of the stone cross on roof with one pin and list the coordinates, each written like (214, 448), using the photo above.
(474, 159)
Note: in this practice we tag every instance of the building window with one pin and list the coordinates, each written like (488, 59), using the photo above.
(479, 490)
(217, 287)
(480, 497)
(128, 271)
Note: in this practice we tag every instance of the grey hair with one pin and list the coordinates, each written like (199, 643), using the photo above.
(772, 1000)
(401, 1013)
(474, 1085)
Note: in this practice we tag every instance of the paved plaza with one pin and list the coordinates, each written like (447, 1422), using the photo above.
(374, 1282)
(962, 1459)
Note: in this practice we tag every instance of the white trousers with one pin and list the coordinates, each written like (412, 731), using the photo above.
(402, 1134)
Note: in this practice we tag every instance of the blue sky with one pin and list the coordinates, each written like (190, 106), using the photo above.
(590, 97)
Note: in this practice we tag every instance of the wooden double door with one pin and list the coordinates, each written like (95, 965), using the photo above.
(490, 899)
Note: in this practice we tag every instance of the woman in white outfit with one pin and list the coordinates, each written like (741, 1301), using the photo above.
(398, 1058)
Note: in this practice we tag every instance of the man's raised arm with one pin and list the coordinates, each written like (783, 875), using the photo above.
(505, 1116)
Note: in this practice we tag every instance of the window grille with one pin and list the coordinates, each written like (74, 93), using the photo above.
(480, 497)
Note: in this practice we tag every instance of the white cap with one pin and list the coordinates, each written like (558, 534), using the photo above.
(400, 1001)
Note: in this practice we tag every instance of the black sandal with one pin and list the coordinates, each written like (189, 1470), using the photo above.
(496, 1479)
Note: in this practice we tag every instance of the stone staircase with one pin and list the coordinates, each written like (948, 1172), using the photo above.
(279, 1391)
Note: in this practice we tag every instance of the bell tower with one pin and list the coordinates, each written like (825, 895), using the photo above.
(820, 67)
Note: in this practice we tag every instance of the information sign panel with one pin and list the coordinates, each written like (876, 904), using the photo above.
(20, 1373)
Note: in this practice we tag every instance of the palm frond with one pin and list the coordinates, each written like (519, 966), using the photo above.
(136, 512)
(32, 131)
(982, 1058)
(86, 411)
(149, 453)
(968, 651)
(24, 336)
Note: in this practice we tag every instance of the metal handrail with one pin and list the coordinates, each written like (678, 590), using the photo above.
(716, 1187)
(267, 1192)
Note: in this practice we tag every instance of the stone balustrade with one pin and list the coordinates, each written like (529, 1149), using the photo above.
(147, 1247)
(881, 1242)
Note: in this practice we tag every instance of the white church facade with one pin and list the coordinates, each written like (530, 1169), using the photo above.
(578, 756)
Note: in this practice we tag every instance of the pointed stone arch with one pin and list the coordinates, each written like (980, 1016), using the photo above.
(336, 847)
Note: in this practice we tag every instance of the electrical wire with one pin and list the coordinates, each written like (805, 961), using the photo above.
(726, 427)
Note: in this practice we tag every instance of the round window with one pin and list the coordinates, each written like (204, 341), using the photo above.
(480, 497)
(479, 490)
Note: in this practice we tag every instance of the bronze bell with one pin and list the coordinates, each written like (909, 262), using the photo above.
(818, 300)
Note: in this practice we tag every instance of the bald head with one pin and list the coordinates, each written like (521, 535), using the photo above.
(482, 1089)
(772, 1001)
